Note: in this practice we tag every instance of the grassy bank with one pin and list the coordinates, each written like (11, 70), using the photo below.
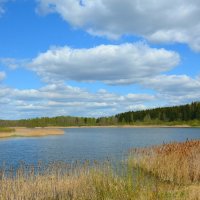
(175, 177)
(6, 130)
(29, 132)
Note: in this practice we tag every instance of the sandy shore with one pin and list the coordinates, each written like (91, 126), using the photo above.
(124, 126)
(57, 130)
(32, 132)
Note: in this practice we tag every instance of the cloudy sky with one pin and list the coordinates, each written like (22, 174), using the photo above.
(97, 57)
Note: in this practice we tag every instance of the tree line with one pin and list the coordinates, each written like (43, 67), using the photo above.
(189, 113)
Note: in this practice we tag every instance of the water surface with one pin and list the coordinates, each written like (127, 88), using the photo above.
(88, 144)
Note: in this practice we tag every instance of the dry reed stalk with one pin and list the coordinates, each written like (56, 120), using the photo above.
(175, 162)
(65, 182)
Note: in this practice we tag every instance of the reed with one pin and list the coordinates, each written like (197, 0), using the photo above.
(100, 181)
(81, 182)
(174, 162)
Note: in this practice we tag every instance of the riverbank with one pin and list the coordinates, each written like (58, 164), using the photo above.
(165, 179)
(31, 132)
(128, 126)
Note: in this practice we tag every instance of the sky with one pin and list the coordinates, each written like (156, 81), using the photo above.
(97, 57)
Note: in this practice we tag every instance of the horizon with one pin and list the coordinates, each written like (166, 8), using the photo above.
(101, 116)
(97, 58)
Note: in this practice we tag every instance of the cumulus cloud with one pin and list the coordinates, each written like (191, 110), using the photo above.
(158, 20)
(60, 99)
(175, 89)
(111, 64)
(2, 75)
(57, 99)
(12, 63)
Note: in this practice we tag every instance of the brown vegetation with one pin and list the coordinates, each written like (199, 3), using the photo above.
(167, 172)
(175, 162)
(31, 132)
(82, 182)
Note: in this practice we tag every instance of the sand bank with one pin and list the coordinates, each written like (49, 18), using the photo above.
(32, 132)
(125, 126)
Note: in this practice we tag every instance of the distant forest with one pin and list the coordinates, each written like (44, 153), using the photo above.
(177, 115)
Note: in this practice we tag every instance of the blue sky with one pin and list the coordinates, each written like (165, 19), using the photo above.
(97, 58)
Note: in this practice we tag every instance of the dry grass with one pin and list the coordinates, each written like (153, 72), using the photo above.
(175, 162)
(31, 132)
(65, 182)
(174, 175)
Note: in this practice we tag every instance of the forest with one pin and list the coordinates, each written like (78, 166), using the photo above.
(188, 114)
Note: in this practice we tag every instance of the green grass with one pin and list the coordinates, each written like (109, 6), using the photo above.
(6, 129)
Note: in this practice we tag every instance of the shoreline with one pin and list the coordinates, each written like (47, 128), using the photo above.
(58, 130)
(31, 132)
(146, 173)
(127, 126)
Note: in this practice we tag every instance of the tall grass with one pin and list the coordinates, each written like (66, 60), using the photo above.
(6, 129)
(100, 182)
(61, 181)
(174, 162)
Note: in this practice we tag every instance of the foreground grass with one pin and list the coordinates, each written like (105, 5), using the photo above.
(134, 180)
(175, 163)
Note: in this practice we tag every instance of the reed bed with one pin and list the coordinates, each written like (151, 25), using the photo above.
(174, 162)
(80, 182)
(101, 181)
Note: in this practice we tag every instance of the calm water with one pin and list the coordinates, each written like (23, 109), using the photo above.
(88, 144)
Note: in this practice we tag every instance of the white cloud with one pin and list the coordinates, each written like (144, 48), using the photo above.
(2, 75)
(175, 89)
(111, 64)
(59, 99)
(158, 20)
(13, 63)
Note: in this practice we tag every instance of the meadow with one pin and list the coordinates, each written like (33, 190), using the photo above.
(169, 171)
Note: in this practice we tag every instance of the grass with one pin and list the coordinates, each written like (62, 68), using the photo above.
(6, 130)
(174, 162)
(161, 179)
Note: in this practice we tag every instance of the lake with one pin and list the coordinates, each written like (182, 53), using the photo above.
(88, 144)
